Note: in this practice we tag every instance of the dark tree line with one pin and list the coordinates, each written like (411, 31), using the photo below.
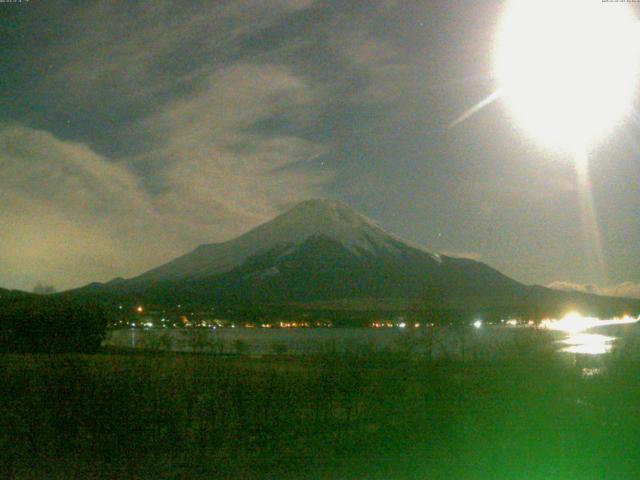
(50, 325)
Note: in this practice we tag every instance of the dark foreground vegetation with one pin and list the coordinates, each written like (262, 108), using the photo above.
(359, 415)
(41, 324)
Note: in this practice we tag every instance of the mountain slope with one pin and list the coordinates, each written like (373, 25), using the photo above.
(331, 219)
(318, 250)
(11, 294)
(323, 251)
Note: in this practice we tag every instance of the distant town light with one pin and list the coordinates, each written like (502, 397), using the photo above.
(139, 309)
(477, 323)
(402, 324)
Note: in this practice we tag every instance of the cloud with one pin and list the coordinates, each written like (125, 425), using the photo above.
(124, 52)
(624, 289)
(216, 171)
(70, 216)
(67, 215)
(573, 287)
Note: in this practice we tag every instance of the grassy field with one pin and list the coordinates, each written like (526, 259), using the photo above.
(358, 415)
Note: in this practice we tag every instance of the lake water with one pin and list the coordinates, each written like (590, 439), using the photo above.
(572, 335)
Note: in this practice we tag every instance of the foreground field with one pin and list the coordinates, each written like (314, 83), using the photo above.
(358, 415)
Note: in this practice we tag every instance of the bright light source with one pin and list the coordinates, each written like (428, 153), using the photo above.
(568, 68)
(574, 323)
(477, 323)
(139, 309)
(402, 325)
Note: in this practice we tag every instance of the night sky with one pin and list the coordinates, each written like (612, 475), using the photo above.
(131, 132)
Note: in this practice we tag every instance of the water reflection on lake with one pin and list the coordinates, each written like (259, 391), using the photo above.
(573, 334)
(580, 332)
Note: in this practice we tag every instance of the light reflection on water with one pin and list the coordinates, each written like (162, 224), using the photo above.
(588, 343)
(586, 339)
(579, 339)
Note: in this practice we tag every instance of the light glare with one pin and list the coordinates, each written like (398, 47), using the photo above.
(568, 68)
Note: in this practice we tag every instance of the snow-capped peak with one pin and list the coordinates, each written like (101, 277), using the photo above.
(329, 218)
(319, 217)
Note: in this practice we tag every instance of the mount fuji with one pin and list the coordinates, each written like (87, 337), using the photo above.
(310, 222)
(322, 252)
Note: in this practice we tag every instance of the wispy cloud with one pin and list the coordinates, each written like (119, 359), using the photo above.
(624, 289)
(216, 171)
(129, 52)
